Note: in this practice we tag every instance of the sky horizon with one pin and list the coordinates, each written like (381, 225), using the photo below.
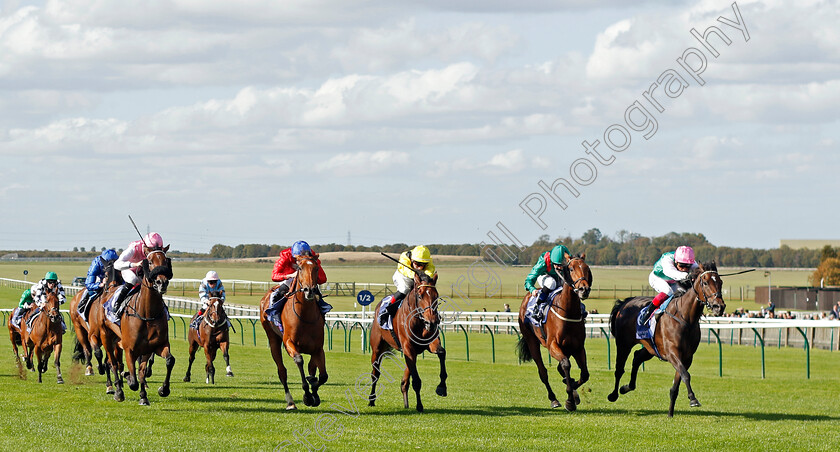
(416, 122)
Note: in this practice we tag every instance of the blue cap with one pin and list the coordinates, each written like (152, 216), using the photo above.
(300, 247)
(109, 255)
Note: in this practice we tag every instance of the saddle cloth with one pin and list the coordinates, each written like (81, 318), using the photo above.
(532, 303)
(646, 330)
(382, 307)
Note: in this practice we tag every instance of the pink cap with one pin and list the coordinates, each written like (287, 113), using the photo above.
(153, 240)
(684, 255)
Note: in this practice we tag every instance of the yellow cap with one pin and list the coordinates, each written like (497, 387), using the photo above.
(421, 254)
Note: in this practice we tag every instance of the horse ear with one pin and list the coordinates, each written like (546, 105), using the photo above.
(166, 249)
(583, 256)
(567, 257)
(146, 249)
(435, 278)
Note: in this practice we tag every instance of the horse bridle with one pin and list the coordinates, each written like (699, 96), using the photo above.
(293, 292)
(716, 295)
(582, 278)
(420, 311)
(219, 318)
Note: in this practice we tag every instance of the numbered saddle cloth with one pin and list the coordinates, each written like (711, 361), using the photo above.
(532, 304)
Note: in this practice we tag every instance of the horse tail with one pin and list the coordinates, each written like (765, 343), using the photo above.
(523, 351)
(78, 352)
(617, 307)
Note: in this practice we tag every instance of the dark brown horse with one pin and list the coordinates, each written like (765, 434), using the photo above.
(416, 328)
(104, 334)
(563, 333)
(82, 330)
(303, 332)
(45, 337)
(211, 334)
(144, 328)
(677, 332)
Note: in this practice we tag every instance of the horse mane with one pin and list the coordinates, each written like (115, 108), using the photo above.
(703, 267)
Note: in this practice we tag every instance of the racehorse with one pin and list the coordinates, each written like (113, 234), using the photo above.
(415, 330)
(211, 334)
(563, 333)
(16, 338)
(303, 332)
(45, 337)
(677, 332)
(144, 328)
(82, 329)
(102, 332)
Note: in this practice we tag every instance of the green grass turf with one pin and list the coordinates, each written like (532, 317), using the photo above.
(500, 406)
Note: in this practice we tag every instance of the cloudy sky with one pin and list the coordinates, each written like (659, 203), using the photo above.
(424, 121)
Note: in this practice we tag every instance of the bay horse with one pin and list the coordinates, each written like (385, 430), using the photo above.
(84, 344)
(563, 332)
(17, 339)
(415, 330)
(104, 334)
(677, 333)
(211, 334)
(303, 332)
(45, 338)
(144, 328)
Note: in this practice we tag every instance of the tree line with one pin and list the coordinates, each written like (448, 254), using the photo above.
(623, 248)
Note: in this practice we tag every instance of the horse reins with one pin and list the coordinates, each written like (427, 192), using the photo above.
(150, 281)
(293, 292)
(705, 301)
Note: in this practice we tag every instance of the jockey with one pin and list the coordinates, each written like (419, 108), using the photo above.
(209, 284)
(49, 283)
(285, 270)
(670, 268)
(129, 264)
(546, 273)
(39, 291)
(26, 302)
(419, 259)
(95, 280)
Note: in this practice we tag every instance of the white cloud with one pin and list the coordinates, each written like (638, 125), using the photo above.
(363, 163)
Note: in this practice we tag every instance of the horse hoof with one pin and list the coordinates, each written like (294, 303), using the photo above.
(88, 371)
(60, 381)
(371, 403)
(134, 386)
(163, 391)
(316, 400)
(612, 397)
(555, 404)
(101, 370)
(229, 374)
(576, 397)
(109, 390)
(291, 407)
(624, 389)
(307, 400)
(419, 408)
(207, 380)
(187, 379)
(694, 403)
(570, 406)
(441, 390)
(144, 402)
(119, 397)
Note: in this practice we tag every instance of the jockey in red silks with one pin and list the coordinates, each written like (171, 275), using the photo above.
(670, 268)
(129, 263)
(284, 272)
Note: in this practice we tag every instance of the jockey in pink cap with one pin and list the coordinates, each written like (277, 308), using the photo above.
(670, 268)
(129, 263)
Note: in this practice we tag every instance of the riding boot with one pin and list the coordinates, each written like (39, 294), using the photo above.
(119, 297)
(391, 309)
(542, 298)
(583, 312)
(655, 303)
(324, 306)
(278, 298)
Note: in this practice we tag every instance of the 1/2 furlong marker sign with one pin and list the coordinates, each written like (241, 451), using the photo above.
(364, 297)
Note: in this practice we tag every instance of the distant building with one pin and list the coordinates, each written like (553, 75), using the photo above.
(808, 244)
